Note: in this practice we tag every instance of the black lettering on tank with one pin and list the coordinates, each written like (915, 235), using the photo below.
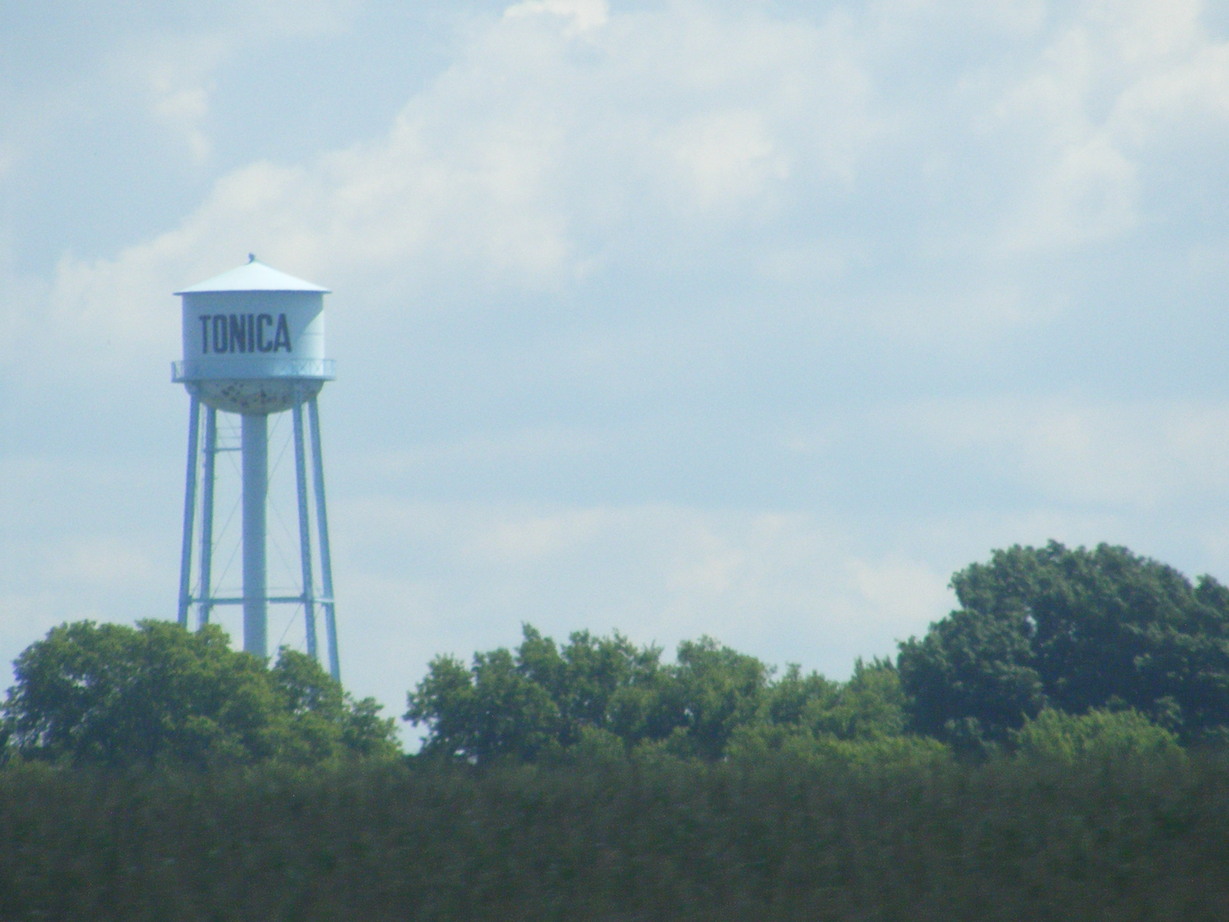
(221, 333)
(238, 333)
(281, 336)
(263, 343)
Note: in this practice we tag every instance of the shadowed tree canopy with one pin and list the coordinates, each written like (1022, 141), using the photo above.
(1071, 630)
(159, 694)
(539, 699)
(605, 697)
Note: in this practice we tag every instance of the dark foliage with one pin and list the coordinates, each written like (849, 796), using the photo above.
(543, 702)
(156, 694)
(1071, 630)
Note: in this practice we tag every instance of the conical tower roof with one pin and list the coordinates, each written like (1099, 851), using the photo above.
(253, 276)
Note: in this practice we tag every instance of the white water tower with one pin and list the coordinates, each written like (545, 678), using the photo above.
(253, 345)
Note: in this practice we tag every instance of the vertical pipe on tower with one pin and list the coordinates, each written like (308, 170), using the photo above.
(189, 510)
(255, 489)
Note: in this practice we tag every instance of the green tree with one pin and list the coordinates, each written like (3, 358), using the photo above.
(158, 694)
(971, 679)
(598, 683)
(817, 721)
(1071, 630)
(714, 691)
(541, 699)
(871, 705)
(538, 700)
(1097, 738)
(321, 720)
(795, 699)
(485, 712)
(602, 695)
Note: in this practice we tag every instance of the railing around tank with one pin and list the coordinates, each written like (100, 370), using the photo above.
(221, 369)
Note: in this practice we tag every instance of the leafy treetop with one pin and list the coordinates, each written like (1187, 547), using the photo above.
(1071, 630)
(159, 694)
(605, 695)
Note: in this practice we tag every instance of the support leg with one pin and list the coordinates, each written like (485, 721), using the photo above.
(189, 512)
(326, 560)
(305, 542)
(255, 493)
(211, 454)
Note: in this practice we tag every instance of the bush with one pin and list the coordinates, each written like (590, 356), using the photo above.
(1098, 737)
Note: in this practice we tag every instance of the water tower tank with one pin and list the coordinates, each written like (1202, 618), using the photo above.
(253, 340)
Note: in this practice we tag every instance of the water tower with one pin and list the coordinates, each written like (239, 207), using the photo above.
(253, 345)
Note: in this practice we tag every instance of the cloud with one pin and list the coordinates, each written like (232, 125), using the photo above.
(1088, 194)
(1109, 84)
(177, 84)
(725, 158)
(582, 15)
(1124, 455)
(522, 176)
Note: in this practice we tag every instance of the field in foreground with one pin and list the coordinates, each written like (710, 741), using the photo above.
(1005, 840)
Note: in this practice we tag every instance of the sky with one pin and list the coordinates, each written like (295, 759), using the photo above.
(754, 319)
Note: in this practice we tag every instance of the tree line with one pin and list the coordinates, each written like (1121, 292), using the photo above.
(1075, 643)
(1066, 648)
(1050, 749)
